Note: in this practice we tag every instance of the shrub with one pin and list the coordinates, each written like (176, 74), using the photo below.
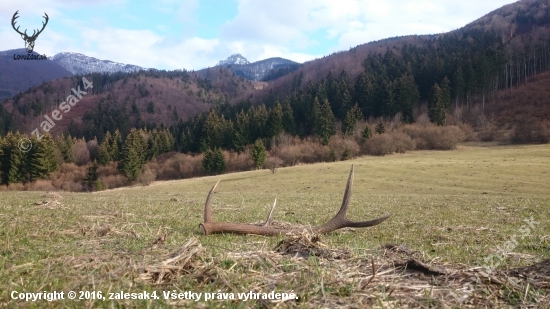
(146, 177)
(531, 131)
(236, 162)
(177, 166)
(342, 148)
(298, 151)
(434, 137)
(41, 185)
(113, 181)
(273, 163)
(379, 145)
(402, 142)
(80, 153)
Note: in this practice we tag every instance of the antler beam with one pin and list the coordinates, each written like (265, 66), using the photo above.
(339, 221)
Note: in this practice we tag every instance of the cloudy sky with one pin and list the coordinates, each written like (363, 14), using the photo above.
(193, 34)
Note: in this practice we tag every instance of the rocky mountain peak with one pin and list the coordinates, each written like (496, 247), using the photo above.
(234, 59)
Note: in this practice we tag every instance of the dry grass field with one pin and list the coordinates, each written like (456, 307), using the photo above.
(452, 212)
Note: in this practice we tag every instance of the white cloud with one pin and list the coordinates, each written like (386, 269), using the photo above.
(352, 22)
(297, 30)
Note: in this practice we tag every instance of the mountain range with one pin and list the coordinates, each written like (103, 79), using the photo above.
(18, 76)
(263, 70)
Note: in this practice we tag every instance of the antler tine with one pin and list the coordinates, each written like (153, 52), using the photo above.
(207, 206)
(268, 220)
(13, 22)
(43, 25)
(341, 219)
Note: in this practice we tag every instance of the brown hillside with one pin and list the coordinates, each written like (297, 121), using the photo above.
(167, 94)
(528, 101)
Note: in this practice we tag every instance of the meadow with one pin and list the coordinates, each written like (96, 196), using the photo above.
(451, 211)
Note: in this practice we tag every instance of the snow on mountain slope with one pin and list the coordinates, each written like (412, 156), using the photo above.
(80, 64)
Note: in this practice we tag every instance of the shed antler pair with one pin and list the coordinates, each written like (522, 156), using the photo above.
(339, 221)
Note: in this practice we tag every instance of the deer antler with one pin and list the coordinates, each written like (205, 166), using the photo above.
(339, 221)
(47, 18)
(13, 23)
(34, 33)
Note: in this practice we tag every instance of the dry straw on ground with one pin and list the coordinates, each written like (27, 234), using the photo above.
(390, 277)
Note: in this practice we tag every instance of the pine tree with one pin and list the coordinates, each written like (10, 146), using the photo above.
(380, 127)
(258, 154)
(13, 158)
(324, 120)
(133, 155)
(275, 121)
(104, 157)
(63, 147)
(207, 161)
(218, 161)
(352, 116)
(407, 97)
(213, 161)
(212, 130)
(258, 122)
(348, 127)
(69, 141)
(42, 157)
(367, 133)
(288, 118)
(439, 102)
(241, 132)
(115, 146)
(151, 107)
(91, 180)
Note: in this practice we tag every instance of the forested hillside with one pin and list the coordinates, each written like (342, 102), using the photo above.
(485, 81)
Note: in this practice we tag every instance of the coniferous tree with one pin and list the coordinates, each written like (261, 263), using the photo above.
(70, 141)
(213, 161)
(219, 161)
(258, 122)
(259, 154)
(324, 120)
(63, 147)
(212, 131)
(275, 121)
(42, 157)
(151, 107)
(367, 133)
(438, 103)
(104, 157)
(241, 131)
(207, 161)
(115, 146)
(13, 158)
(407, 97)
(91, 180)
(133, 155)
(380, 127)
(166, 141)
(288, 118)
(348, 127)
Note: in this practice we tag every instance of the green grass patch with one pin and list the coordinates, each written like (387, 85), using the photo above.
(454, 207)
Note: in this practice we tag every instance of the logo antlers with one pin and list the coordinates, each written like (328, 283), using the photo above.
(29, 40)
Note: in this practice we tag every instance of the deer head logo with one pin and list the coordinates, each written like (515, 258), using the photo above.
(29, 40)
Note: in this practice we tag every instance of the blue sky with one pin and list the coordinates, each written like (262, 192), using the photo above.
(193, 34)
